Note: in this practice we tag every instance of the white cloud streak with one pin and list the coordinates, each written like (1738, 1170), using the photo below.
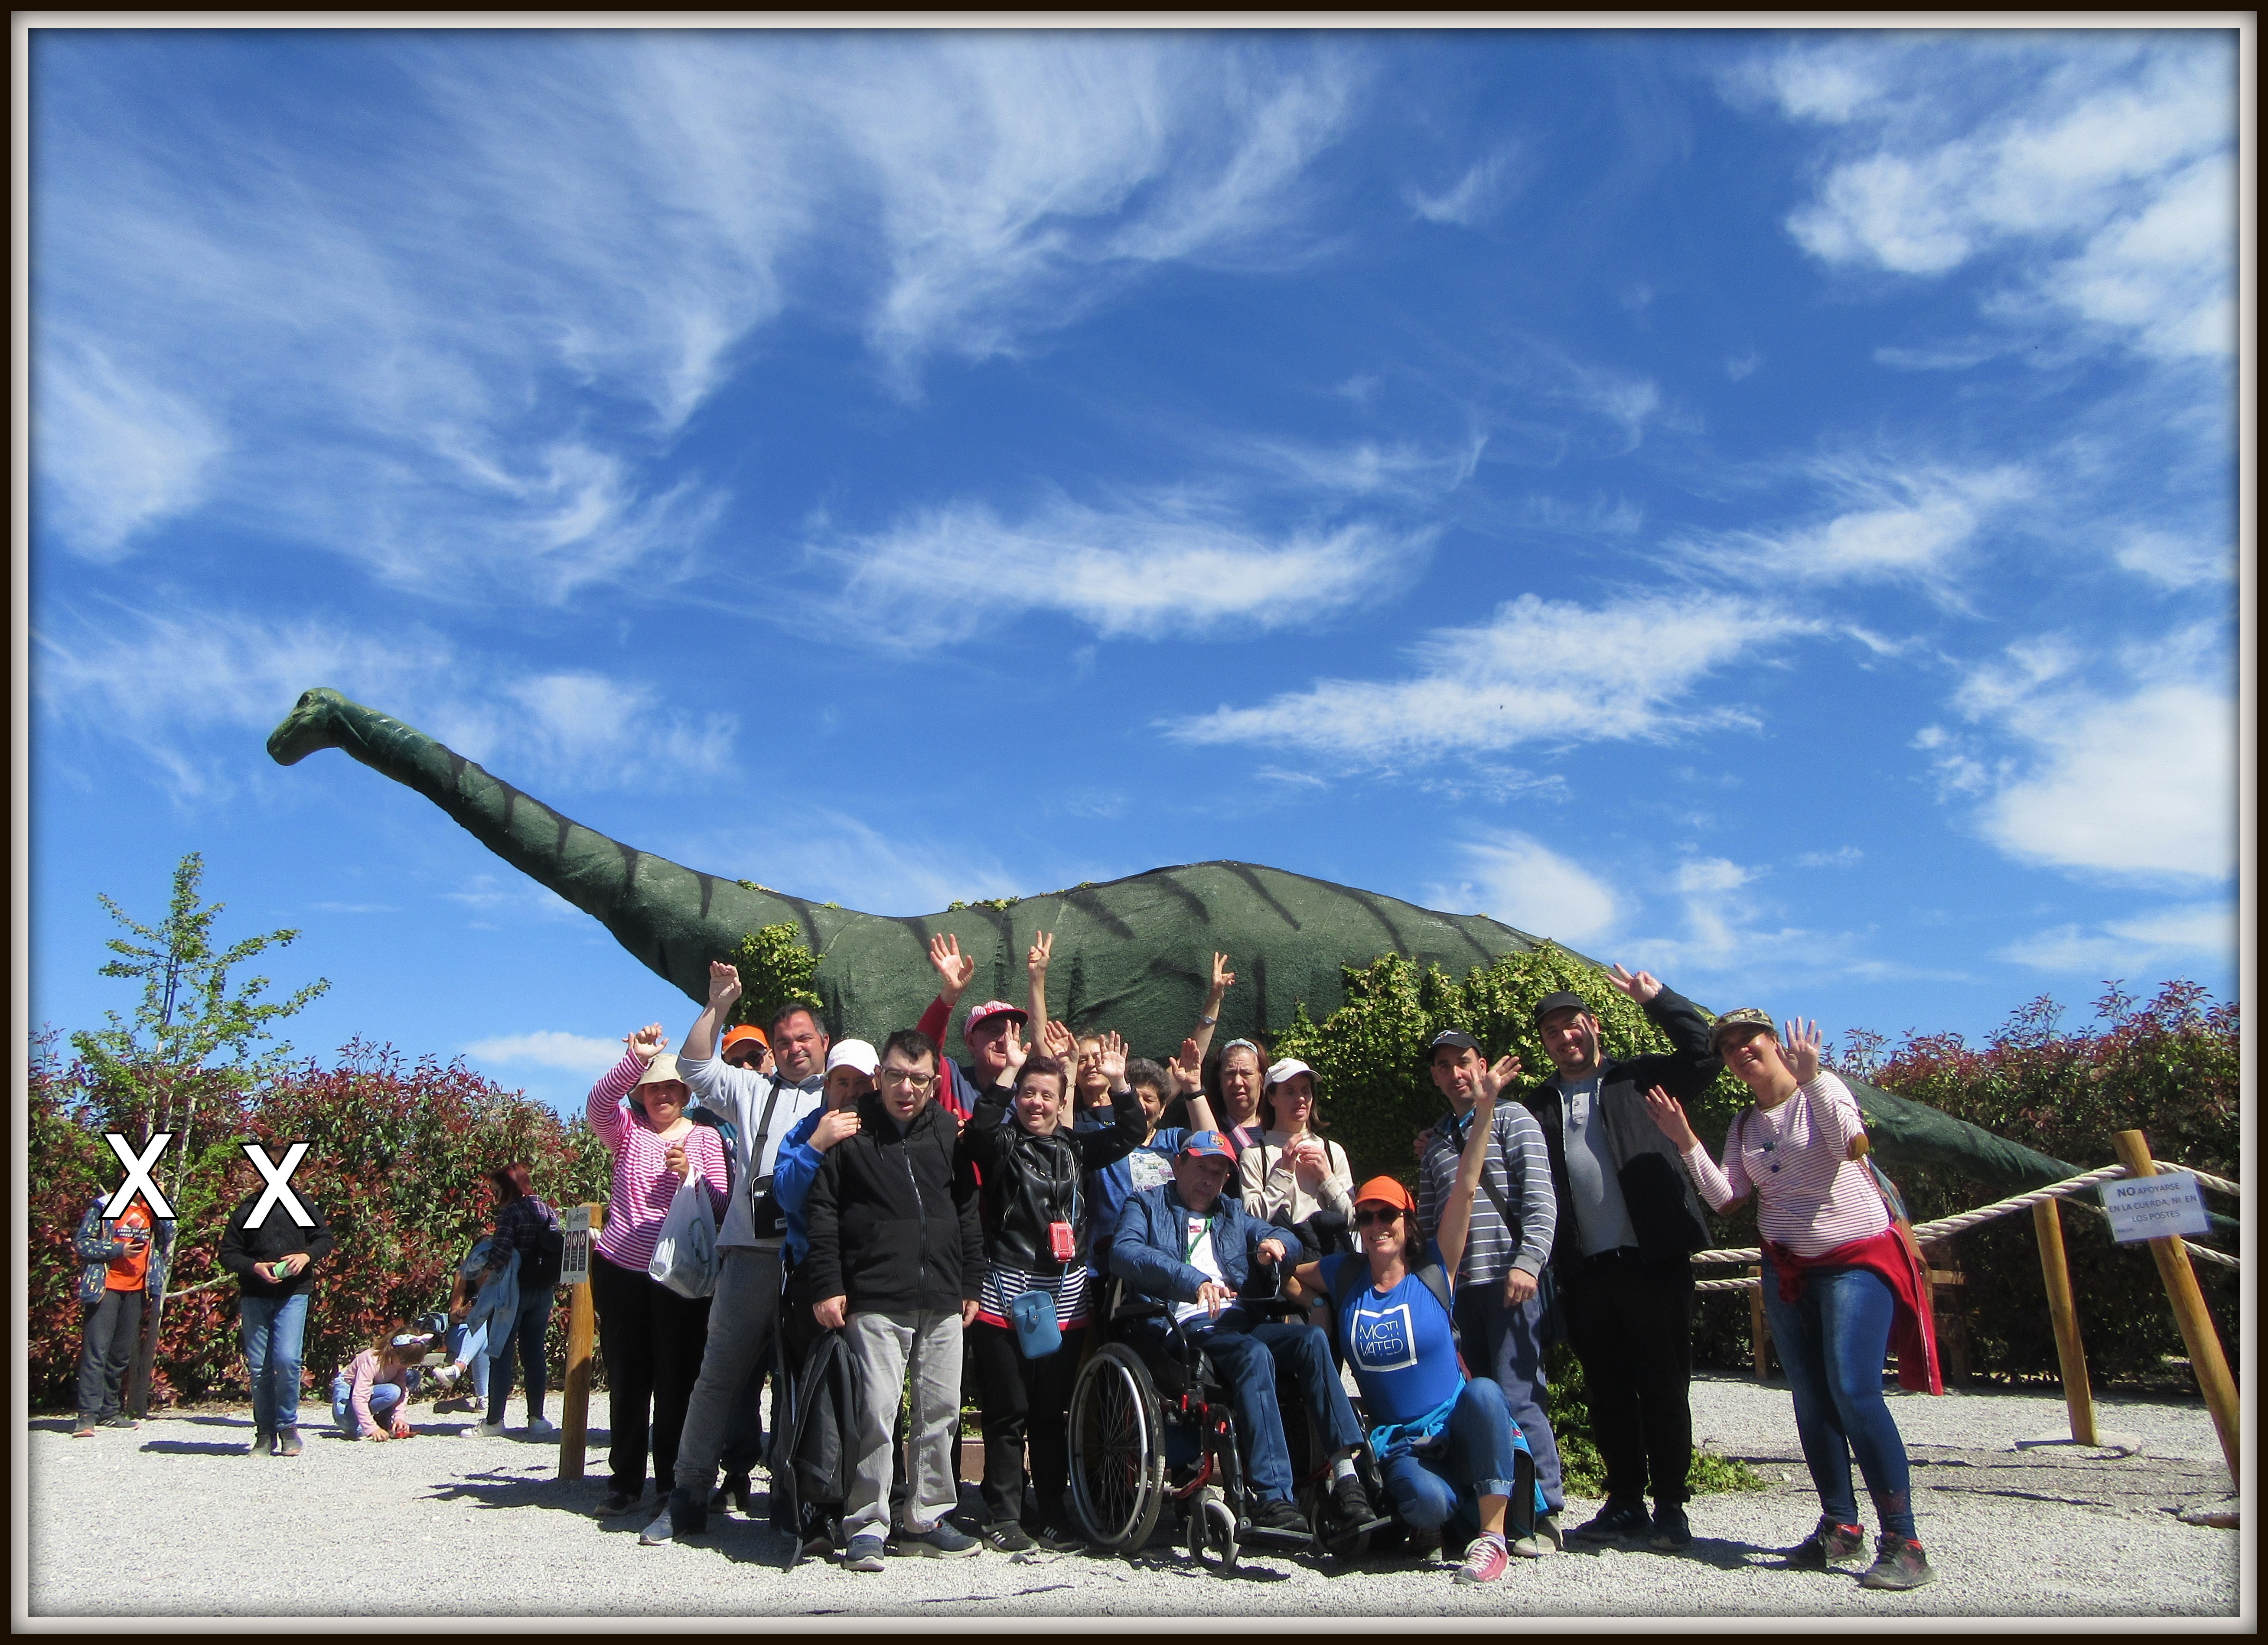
(1538, 671)
(2123, 947)
(1519, 880)
(1487, 184)
(183, 685)
(2103, 169)
(548, 1047)
(456, 355)
(2137, 781)
(1157, 565)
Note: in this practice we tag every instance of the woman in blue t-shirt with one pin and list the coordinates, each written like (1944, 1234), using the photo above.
(1446, 1444)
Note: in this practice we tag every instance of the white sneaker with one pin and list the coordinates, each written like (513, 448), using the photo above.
(488, 1430)
(538, 1428)
(654, 1535)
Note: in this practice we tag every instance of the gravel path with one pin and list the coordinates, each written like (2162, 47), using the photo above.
(448, 1526)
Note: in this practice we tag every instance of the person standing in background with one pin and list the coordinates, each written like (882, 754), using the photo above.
(122, 1256)
(274, 1269)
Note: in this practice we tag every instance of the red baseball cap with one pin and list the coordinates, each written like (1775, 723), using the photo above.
(978, 1015)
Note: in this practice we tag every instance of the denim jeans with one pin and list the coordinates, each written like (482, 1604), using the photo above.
(468, 1345)
(528, 1330)
(1248, 1357)
(274, 1327)
(384, 1397)
(1832, 1340)
(1507, 1344)
(1476, 1456)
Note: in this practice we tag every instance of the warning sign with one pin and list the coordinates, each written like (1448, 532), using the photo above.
(2154, 1207)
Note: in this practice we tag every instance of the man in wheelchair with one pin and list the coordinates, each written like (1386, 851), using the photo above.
(1188, 1244)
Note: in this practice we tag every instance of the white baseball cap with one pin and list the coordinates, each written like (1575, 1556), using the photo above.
(1285, 1068)
(853, 1053)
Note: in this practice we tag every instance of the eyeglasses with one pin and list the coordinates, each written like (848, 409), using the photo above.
(1363, 1218)
(909, 1078)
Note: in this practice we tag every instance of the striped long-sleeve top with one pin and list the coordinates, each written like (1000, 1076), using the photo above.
(1519, 1169)
(1811, 1195)
(644, 1183)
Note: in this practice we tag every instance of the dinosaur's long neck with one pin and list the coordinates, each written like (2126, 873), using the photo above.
(672, 918)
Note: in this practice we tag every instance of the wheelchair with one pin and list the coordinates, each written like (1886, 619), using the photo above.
(1151, 1423)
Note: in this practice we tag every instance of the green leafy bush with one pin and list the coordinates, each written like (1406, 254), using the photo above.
(776, 969)
(397, 1158)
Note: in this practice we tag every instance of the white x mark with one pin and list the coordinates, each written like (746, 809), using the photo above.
(279, 1178)
(137, 1174)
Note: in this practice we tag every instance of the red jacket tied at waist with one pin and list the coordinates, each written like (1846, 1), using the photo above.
(1913, 1326)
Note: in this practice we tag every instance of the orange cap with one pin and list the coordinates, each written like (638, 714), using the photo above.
(739, 1035)
(1386, 1192)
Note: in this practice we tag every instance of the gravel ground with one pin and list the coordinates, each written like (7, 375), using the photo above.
(447, 1524)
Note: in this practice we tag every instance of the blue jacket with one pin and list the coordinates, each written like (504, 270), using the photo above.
(793, 1166)
(1108, 1189)
(97, 1243)
(1147, 1251)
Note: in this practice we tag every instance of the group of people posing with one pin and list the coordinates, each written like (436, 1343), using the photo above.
(967, 1220)
(930, 1211)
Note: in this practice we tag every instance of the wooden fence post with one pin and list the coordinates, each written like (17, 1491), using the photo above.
(2207, 1359)
(575, 1407)
(1760, 1325)
(2078, 1395)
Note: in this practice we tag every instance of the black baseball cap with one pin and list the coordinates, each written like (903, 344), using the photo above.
(1456, 1038)
(1549, 1003)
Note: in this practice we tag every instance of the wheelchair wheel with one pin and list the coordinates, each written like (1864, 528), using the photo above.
(1117, 1451)
(1212, 1532)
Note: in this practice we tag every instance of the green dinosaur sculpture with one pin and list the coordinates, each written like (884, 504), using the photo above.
(1132, 953)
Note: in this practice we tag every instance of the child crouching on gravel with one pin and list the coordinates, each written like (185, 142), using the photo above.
(370, 1397)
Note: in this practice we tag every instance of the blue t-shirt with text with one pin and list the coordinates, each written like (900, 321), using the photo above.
(1398, 1343)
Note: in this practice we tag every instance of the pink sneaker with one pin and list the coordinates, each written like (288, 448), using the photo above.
(1485, 1560)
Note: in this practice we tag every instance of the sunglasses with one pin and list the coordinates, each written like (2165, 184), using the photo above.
(1363, 1218)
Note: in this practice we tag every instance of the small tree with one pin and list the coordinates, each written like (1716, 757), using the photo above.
(194, 1040)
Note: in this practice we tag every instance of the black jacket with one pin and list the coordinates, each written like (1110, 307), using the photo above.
(1030, 1182)
(277, 1235)
(891, 1230)
(1664, 1213)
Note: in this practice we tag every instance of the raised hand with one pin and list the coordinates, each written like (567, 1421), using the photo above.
(724, 984)
(834, 1127)
(1495, 1077)
(1113, 1059)
(1800, 1040)
(1188, 1069)
(1035, 963)
(1016, 1048)
(1640, 988)
(649, 1041)
(1223, 978)
(954, 970)
(1060, 1043)
(1668, 1116)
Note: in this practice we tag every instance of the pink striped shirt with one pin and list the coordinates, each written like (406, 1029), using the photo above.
(644, 1183)
(1811, 1195)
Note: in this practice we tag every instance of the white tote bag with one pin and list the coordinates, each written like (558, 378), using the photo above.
(685, 1256)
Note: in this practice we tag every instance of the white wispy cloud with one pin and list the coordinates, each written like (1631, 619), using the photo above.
(1155, 565)
(1885, 522)
(194, 688)
(2177, 560)
(2102, 167)
(458, 355)
(1519, 880)
(1486, 185)
(2135, 778)
(548, 1047)
(1537, 671)
(2123, 947)
(827, 855)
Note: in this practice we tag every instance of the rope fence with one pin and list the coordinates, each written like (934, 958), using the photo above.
(1945, 1227)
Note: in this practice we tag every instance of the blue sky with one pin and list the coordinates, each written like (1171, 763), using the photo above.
(1758, 506)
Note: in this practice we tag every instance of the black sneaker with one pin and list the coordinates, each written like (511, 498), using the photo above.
(1006, 1537)
(1899, 1564)
(121, 1420)
(1829, 1545)
(1671, 1533)
(263, 1441)
(287, 1443)
(687, 1515)
(1056, 1539)
(734, 1491)
(1351, 1503)
(1622, 1517)
(1281, 1522)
